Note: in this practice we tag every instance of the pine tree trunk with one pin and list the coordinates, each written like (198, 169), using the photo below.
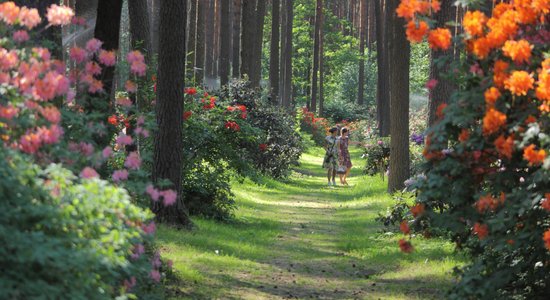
(235, 63)
(168, 151)
(444, 88)
(225, 40)
(362, 40)
(371, 20)
(191, 36)
(209, 40)
(382, 87)
(154, 8)
(399, 50)
(275, 51)
(321, 66)
(140, 26)
(199, 43)
(247, 37)
(216, 49)
(286, 54)
(258, 43)
(315, 67)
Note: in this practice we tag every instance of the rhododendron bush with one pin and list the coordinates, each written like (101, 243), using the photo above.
(54, 123)
(487, 173)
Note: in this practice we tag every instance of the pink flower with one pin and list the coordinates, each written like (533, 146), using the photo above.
(142, 132)
(140, 120)
(29, 17)
(107, 152)
(135, 56)
(51, 114)
(9, 12)
(138, 68)
(20, 36)
(153, 193)
(4, 78)
(88, 173)
(86, 149)
(155, 275)
(8, 112)
(107, 58)
(43, 53)
(124, 102)
(169, 197)
(120, 175)
(50, 135)
(80, 21)
(96, 86)
(93, 45)
(137, 251)
(124, 140)
(129, 284)
(71, 94)
(130, 86)
(8, 60)
(59, 15)
(150, 228)
(133, 161)
(93, 68)
(78, 54)
(30, 143)
(430, 85)
(45, 89)
(155, 261)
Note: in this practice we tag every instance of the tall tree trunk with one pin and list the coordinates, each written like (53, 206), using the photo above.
(315, 67)
(399, 50)
(321, 66)
(382, 87)
(168, 153)
(371, 21)
(362, 40)
(235, 63)
(274, 51)
(444, 88)
(247, 37)
(256, 75)
(191, 36)
(225, 40)
(107, 30)
(140, 26)
(154, 7)
(209, 39)
(199, 43)
(286, 54)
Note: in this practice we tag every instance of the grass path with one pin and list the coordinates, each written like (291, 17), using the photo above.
(300, 239)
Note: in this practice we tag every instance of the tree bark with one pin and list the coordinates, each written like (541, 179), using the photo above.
(225, 40)
(168, 151)
(321, 65)
(444, 88)
(275, 51)
(286, 54)
(362, 40)
(140, 26)
(235, 63)
(154, 8)
(247, 37)
(315, 67)
(191, 36)
(256, 75)
(199, 43)
(382, 87)
(399, 50)
(209, 39)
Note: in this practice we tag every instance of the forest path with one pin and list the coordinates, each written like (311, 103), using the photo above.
(299, 239)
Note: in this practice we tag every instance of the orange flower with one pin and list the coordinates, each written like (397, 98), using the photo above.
(418, 210)
(530, 119)
(519, 51)
(439, 112)
(404, 227)
(481, 230)
(546, 202)
(489, 202)
(546, 239)
(491, 96)
(505, 146)
(9, 12)
(493, 121)
(519, 83)
(534, 157)
(541, 6)
(405, 246)
(436, 6)
(440, 38)
(473, 22)
(500, 75)
(407, 9)
(464, 135)
(481, 48)
(526, 15)
(416, 32)
(543, 86)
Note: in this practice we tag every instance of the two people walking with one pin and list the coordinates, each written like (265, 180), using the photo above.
(337, 159)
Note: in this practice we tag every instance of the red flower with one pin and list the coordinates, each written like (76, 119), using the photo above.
(113, 120)
(190, 91)
(405, 246)
(482, 230)
(231, 108)
(155, 87)
(187, 115)
(546, 202)
(232, 125)
(546, 239)
(242, 108)
(404, 227)
(263, 147)
(243, 115)
(418, 210)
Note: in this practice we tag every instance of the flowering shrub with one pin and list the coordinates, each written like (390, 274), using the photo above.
(487, 171)
(317, 127)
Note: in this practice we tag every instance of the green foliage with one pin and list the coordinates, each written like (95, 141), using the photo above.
(419, 70)
(66, 239)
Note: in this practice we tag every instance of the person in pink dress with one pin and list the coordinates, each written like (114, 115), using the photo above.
(344, 159)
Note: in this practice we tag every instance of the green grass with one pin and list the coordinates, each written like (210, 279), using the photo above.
(300, 239)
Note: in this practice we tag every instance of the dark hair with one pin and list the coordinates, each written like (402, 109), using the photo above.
(333, 129)
(344, 130)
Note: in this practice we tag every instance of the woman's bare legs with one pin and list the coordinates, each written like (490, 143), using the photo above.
(345, 177)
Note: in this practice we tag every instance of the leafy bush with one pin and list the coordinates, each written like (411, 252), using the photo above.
(487, 171)
(68, 239)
